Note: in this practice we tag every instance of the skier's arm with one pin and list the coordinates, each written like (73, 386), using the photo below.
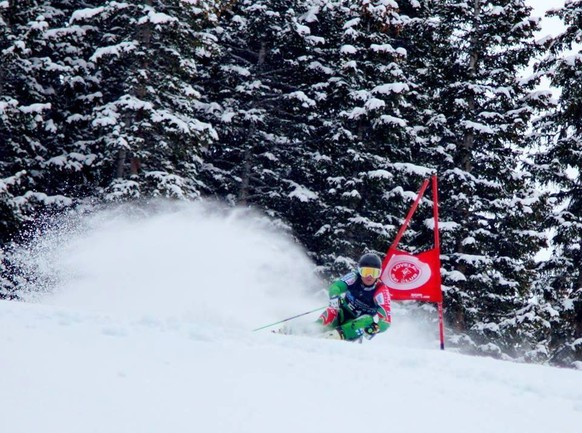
(337, 288)
(328, 317)
(382, 299)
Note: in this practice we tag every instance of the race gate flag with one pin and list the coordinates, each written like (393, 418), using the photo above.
(416, 277)
(413, 277)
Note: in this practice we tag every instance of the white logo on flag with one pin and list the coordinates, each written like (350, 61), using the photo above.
(406, 273)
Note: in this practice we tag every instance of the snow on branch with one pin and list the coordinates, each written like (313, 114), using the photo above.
(391, 88)
(418, 170)
(484, 129)
(156, 18)
(35, 108)
(114, 50)
(47, 200)
(386, 119)
(6, 183)
(351, 23)
(379, 174)
(85, 14)
(348, 49)
(301, 96)
(170, 183)
(301, 193)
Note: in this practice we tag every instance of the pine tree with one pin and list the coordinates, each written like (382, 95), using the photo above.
(99, 102)
(145, 102)
(252, 90)
(366, 169)
(559, 135)
(28, 85)
(310, 95)
(263, 111)
(476, 107)
(27, 126)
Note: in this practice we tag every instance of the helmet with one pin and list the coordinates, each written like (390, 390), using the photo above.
(370, 261)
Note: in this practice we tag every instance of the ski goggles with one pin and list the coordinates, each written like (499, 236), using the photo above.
(369, 272)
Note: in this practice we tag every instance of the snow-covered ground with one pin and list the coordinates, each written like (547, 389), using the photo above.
(150, 331)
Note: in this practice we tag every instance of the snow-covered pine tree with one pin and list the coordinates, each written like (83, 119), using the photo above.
(67, 167)
(476, 106)
(263, 112)
(99, 101)
(145, 96)
(559, 165)
(310, 95)
(254, 88)
(28, 86)
(364, 164)
(28, 78)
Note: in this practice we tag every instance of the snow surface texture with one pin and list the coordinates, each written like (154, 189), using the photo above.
(149, 330)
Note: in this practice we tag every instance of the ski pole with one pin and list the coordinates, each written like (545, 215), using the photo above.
(289, 318)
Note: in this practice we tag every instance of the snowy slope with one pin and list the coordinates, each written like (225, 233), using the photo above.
(149, 331)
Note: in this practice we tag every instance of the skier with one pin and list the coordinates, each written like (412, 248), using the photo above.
(359, 303)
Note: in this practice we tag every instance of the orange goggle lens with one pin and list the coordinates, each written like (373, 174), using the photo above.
(369, 272)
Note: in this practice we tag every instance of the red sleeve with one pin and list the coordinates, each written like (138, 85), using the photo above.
(382, 298)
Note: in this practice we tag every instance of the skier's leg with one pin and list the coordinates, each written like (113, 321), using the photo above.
(329, 317)
(354, 329)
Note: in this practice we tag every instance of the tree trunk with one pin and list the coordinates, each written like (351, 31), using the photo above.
(245, 178)
(144, 36)
(6, 18)
(121, 156)
(465, 160)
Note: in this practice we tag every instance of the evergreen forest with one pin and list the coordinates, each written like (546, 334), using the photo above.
(326, 115)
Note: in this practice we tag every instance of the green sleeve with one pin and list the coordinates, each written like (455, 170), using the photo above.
(337, 288)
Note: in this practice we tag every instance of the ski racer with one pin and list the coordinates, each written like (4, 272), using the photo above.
(359, 303)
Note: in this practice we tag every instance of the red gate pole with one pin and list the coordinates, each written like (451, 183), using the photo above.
(435, 209)
(441, 325)
(409, 216)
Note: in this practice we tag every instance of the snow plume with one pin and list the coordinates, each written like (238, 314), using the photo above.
(197, 262)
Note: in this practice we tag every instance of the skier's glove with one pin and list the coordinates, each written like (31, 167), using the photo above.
(372, 329)
(334, 302)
